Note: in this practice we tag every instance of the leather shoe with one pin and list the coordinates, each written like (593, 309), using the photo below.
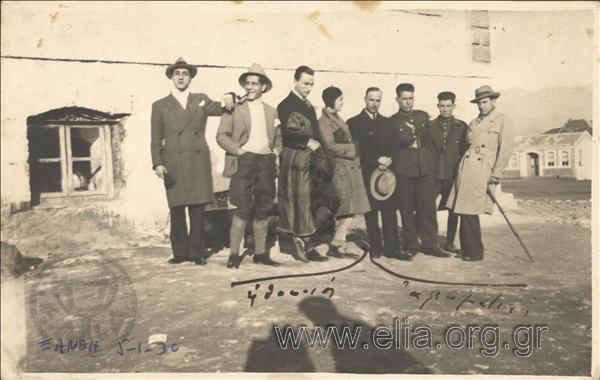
(388, 254)
(176, 260)
(200, 261)
(234, 261)
(315, 256)
(412, 252)
(469, 258)
(375, 254)
(403, 256)
(434, 251)
(265, 260)
(299, 251)
(452, 249)
(334, 251)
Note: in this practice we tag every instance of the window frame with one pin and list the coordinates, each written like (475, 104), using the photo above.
(66, 160)
(560, 160)
(547, 160)
(514, 158)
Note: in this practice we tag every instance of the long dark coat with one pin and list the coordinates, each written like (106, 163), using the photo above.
(347, 177)
(178, 142)
(298, 125)
(447, 156)
(450, 154)
(373, 139)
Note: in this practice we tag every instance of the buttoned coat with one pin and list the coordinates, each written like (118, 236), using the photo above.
(298, 125)
(489, 146)
(455, 145)
(234, 132)
(373, 139)
(347, 175)
(178, 142)
(407, 128)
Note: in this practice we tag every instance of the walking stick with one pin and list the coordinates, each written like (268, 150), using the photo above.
(491, 194)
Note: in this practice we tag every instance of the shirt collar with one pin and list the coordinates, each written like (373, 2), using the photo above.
(298, 95)
(181, 96)
(373, 116)
(481, 117)
(254, 102)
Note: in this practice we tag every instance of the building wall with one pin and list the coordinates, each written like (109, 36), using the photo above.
(561, 172)
(512, 173)
(581, 151)
(356, 61)
(584, 146)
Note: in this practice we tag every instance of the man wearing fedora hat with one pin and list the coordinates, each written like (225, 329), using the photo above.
(252, 140)
(372, 135)
(489, 146)
(181, 157)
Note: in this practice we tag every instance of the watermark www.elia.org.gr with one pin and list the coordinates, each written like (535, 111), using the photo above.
(523, 339)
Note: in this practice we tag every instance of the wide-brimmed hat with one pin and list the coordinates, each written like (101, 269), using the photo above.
(382, 184)
(485, 92)
(181, 64)
(256, 69)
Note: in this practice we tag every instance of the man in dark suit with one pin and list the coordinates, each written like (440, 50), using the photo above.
(448, 145)
(298, 130)
(412, 164)
(180, 156)
(372, 134)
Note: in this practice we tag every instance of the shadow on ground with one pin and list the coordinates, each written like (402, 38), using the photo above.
(360, 356)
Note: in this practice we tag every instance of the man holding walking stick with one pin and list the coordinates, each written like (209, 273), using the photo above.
(489, 146)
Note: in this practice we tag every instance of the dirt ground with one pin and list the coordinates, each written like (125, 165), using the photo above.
(102, 282)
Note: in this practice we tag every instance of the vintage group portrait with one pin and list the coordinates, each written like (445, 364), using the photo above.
(237, 188)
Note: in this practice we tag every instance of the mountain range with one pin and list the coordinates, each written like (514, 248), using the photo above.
(535, 112)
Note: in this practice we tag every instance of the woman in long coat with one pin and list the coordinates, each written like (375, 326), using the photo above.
(347, 178)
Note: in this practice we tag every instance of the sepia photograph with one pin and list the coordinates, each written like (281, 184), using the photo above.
(237, 189)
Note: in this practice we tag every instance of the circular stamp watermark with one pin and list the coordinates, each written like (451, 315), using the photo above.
(87, 297)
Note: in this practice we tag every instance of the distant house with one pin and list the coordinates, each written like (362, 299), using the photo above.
(551, 155)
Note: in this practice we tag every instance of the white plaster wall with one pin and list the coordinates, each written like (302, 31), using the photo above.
(365, 49)
(585, 171)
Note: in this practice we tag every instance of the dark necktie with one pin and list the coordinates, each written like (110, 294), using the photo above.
(444, 135)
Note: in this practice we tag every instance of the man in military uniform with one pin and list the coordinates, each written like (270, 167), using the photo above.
(448, 137)
(412, 162)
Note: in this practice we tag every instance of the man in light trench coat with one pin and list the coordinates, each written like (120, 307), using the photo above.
(489, 146)
(180, 156)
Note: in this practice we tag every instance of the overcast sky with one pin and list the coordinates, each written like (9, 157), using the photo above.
(543, 49)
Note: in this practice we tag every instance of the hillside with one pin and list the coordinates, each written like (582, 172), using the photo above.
(535, 112)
